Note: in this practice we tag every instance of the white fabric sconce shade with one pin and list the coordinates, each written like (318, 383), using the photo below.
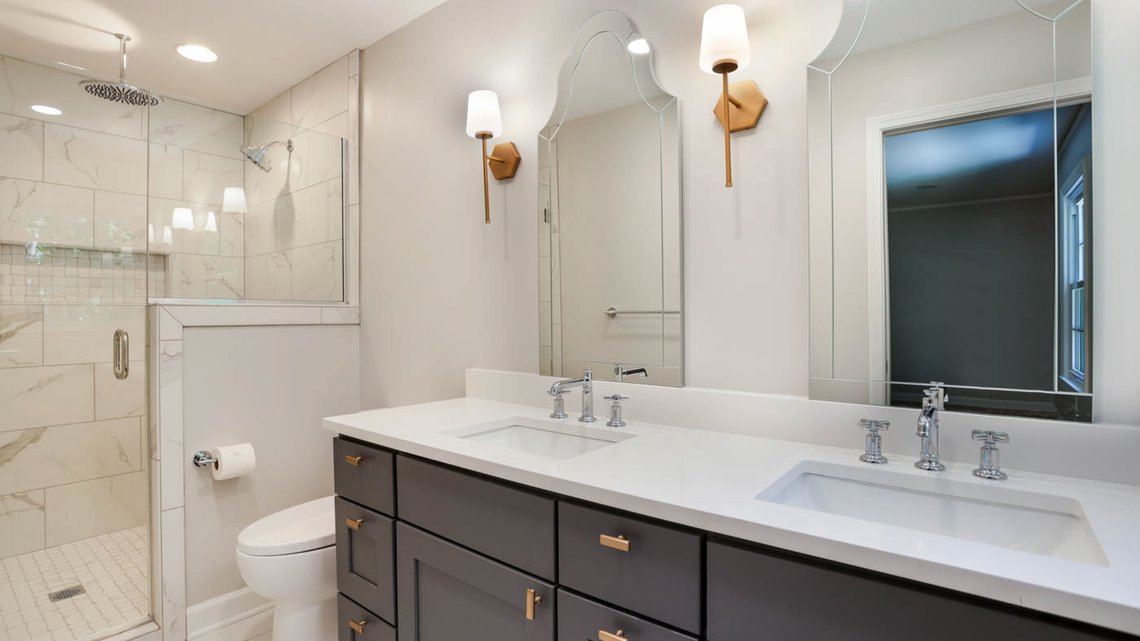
(483, 116)
(724, 40)
(233, 200)
(183, 218)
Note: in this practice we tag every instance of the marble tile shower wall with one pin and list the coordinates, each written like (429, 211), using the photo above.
(294, 226)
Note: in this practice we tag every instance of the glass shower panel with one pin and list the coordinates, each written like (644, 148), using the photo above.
(244, 208)
(74, 464)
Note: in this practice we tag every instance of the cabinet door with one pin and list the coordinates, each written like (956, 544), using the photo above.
(582, 619)
(753, 595)
(365, 559)
(448, 593)
(358, 624)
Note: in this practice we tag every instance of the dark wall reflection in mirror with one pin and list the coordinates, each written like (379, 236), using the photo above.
(989, 261)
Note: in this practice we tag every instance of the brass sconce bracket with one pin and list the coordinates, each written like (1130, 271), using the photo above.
(503, 162)
(747, 104)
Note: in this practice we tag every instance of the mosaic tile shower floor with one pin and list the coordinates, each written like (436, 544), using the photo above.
(113, 570)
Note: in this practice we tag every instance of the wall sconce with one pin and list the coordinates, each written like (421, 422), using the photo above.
(724, 49)
(485, 122)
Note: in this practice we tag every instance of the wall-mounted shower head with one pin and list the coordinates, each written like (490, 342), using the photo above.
(258, 155)
(121, 91)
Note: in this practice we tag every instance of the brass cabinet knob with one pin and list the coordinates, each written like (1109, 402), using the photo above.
(619, 542)
(353, 460)
(532, 601)
(356, 626)
(612, 636)
(354, 523)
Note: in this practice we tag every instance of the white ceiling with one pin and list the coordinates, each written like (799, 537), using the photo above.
(264, 46)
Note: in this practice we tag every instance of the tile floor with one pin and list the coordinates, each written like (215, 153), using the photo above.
(112, 569)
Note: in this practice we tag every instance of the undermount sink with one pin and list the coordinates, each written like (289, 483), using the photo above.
(551, 439)
(1038, 523)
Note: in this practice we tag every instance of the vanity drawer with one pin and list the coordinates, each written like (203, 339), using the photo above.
(352, 617)
(581, 618)
(505, 523)
(364, 474)
(366, 558)
(648, 568)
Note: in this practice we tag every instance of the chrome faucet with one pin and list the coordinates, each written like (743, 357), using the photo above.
(586, 383)
(933, 402)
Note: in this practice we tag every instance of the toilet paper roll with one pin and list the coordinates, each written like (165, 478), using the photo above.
(232, 461)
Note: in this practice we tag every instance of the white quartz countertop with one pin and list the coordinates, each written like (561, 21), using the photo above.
(709, 480)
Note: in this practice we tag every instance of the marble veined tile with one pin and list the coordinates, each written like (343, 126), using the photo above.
(52, 214)
(196, 276)
(116, 398)
(321, 96)
(318, 159)
(205, 177)
(336, 208)
(88, 159)
(47, 456)
(231, 234)
(23, 84)
(269, 276)
(259, 235)
(21, 148)
(83, 333)
(301, 218)
(199, 239)
(38, 396)
(196, 128)
(83, 510)
(120, 221)
(21, 522)
(21, 335)
(317, 272)
(165, 173)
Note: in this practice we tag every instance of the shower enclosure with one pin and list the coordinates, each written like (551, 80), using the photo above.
(106, 208)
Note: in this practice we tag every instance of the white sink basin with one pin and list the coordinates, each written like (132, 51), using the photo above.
(551, 439)
(987, 513)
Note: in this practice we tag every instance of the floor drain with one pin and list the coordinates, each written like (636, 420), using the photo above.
(66, 593)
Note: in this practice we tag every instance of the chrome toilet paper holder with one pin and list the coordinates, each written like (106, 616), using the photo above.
(202, 458)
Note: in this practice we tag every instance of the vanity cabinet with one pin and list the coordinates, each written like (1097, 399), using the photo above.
(449, 593)
(427, 552)
(757, 595)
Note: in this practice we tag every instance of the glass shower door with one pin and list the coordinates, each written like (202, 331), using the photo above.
(74, 459)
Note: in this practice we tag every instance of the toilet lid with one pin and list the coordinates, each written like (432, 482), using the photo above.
(304, 527)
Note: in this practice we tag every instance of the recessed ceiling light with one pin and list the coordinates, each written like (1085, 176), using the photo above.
(47, 110)
(639, 46)
(197, 53)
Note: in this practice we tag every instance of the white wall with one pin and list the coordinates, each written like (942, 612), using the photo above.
(288, 379)
(443, 291)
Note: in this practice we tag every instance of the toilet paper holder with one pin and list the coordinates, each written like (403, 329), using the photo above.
(202, 458)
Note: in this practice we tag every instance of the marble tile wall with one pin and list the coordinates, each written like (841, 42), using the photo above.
(295, 223)
(74, 268)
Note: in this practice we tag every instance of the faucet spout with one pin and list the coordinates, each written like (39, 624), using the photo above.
(933, 402)
(587, 384)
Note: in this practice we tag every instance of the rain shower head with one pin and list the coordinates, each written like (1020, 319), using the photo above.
(258, 154)
(121, 91)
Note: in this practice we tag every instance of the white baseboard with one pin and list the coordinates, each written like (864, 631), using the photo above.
(240, 615)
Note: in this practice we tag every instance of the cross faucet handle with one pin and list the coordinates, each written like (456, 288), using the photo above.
(873, 425)
(990, 437)
(615, 410)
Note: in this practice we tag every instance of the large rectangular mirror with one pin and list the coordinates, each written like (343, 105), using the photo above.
(610, 208)
(952, 207)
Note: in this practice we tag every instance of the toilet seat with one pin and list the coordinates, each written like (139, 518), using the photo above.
(301, 528)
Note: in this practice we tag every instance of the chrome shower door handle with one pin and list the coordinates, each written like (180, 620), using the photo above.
(121, 350)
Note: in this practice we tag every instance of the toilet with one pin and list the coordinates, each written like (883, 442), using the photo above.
(289, 557)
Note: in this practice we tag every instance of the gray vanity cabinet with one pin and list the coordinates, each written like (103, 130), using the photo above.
(365, 475)
(358, 624)
(754, 595)
(448, 593)
(582, 619)
(365, 563)
(651, 569)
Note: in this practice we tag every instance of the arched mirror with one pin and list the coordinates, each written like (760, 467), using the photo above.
(610, 208)
(952, 210)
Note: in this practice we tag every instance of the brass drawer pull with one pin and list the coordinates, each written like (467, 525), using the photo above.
(353, 460)
(532, 600)
(354, 523)
(611, 636)
(619, 542)
(357, 626)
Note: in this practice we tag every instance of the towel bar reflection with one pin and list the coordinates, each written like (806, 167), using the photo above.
(613, 311)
